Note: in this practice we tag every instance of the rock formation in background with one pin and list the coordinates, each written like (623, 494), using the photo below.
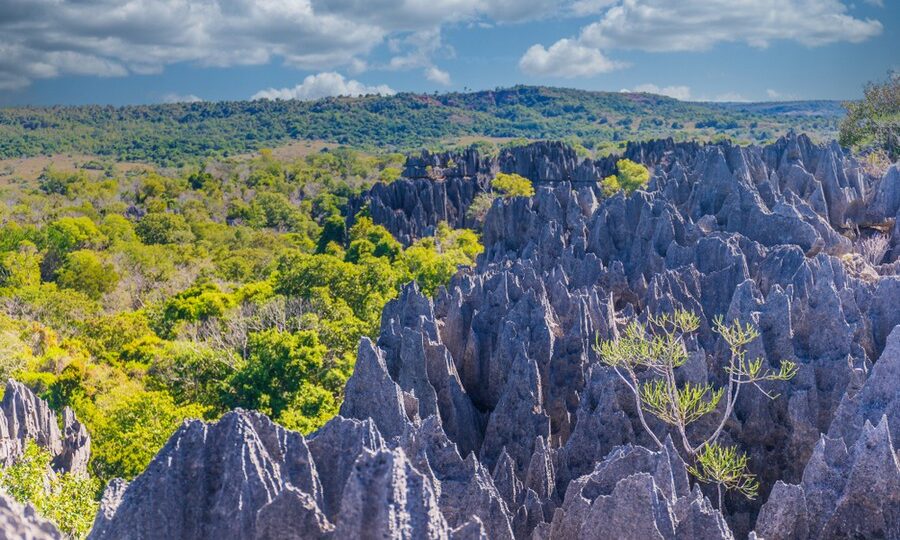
(485, 413)
(27, 417)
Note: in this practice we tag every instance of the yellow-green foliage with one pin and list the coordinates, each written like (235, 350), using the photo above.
(630, 176)
(727, 467)
(142, 300)
(512, 185)
(66, 499)
(655, 350)
(129, 427)
(874, 122)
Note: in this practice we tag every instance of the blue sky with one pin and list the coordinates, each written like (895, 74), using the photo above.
(151, 51)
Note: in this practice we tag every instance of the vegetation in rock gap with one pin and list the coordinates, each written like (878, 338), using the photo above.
(629, 177)
(143, 297)
(646, 357)
(512, 185)
(66, 499)
(505, 186)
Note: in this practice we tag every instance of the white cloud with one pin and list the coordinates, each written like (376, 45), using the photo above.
(692, 25)
(678, 92)
(42, 39)
(326, 84)
(590, 7)
(416, 14)
(696, 25)
(773, 94)
(437, 75)
(566, 58)
(173, 97)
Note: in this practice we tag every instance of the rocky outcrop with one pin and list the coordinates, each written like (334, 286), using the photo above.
(486, 411)
(844, 493)
(26, 417)
(17, 521)
(636, 493)
(212, 481)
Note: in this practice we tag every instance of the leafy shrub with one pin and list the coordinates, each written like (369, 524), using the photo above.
(630, 176)
(874, 122)
(66, 499)
(512, 185)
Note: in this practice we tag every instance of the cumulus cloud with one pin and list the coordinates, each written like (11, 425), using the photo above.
(590, 7)
(566, 58)
(42, 39)
(415, 14)
(326, 84)
(696, 25)
(678, 92)
(418, 50)
(692, 25)
(49, 38)
(437, 75)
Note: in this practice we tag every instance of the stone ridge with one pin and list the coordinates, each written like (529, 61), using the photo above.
(24, 416)
(486, 413)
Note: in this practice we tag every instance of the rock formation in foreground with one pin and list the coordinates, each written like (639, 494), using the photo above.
(485, 413)
(21, 522)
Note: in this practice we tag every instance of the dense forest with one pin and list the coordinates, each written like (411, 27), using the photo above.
(145, 298)
(181, 133)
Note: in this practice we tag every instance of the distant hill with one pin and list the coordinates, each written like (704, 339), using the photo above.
(172, 134)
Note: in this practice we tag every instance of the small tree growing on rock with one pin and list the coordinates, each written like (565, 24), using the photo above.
(645, 358)
(504, 185)
(512, 185)
(631, 176)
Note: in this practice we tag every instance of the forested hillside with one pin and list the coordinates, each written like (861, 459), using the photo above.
(175, 134)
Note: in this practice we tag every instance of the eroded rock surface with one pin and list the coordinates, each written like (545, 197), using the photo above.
(21, 522)
(486, 412)
(27, 417)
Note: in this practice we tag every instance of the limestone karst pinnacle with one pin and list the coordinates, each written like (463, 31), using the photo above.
(485, 412)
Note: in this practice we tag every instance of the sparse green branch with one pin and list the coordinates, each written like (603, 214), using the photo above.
(656, 349)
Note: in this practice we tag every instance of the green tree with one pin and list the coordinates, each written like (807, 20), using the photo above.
(279, 363)
(20, 268)
(85, 271)
(432, 261)
(164, 228)
(118, 229)
(874, 122)
(480, 206)
(311, 408)
(52, 181)
(334, 229)
(130, 427)
(200, 302)
(71, 233)
(192, 373)
(64, 498)
(512, 185)
(366, 238)
(631, 176)
(645, 358)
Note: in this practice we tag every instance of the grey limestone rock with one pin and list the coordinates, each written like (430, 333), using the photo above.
(487, 412)
(23, 523)
(211, 480)
(27, 417)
